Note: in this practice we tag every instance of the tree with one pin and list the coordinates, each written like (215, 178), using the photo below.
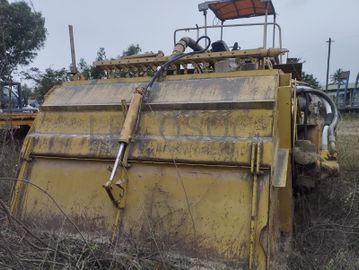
(44, 81)
(132, 50)
(22, 34)
(310, 79)
(90, 72)
(335, 78)
(27, 92)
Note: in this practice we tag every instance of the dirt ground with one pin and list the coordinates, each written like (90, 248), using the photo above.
(326, 226)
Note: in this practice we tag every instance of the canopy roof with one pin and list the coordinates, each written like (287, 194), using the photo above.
(235, 9)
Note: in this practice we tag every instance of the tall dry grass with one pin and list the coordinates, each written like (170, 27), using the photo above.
(10, 145)
(327, 220)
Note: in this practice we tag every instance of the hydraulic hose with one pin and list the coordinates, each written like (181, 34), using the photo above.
(335, 115)
(176, 57)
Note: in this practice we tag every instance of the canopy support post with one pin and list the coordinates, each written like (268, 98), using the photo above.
(274, 26)
(222, 30)
(205, 25)
(265, 27)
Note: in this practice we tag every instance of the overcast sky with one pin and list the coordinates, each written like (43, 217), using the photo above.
(114, 24)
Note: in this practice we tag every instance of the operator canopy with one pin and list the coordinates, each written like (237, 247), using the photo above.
(236, 9)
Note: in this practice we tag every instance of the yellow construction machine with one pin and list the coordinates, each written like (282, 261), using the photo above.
(202, 156)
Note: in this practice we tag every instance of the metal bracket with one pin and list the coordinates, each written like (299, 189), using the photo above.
(121, 187)
(124, 108)
(280, 173)
(256, 155)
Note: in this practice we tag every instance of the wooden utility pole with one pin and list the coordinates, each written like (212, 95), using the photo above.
(72, 46)
(330, 41)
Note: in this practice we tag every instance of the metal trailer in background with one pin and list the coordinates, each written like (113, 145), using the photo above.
(343, 97)
(347, 98)
(355, 95)
(15, 112)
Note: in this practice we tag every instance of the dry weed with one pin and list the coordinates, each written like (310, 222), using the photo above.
(327, 220)
(10, 144)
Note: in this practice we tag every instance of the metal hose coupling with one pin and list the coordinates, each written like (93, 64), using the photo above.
(185, 42)
(334, 117)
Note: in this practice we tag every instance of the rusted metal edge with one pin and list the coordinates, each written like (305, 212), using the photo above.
(247, 104)
(110, 157)
(280, 173)
(182, 77)
(179, 162)
(209, 56)
(16, 117)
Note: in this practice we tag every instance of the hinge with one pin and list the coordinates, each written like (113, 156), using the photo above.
(256, 155)
(118, 197)
(259, 157)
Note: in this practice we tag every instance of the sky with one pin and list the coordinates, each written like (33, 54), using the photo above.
(115, 24)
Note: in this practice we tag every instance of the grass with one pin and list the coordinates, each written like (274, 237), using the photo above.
(10, 145)
(327, 220)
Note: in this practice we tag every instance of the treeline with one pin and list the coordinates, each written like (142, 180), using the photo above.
(22, 35)
(43, 81)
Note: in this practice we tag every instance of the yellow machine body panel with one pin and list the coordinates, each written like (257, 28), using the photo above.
(199, 171)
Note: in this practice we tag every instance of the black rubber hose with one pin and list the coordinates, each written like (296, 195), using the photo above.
(176, 58)
(334, 123)
(194, 45)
